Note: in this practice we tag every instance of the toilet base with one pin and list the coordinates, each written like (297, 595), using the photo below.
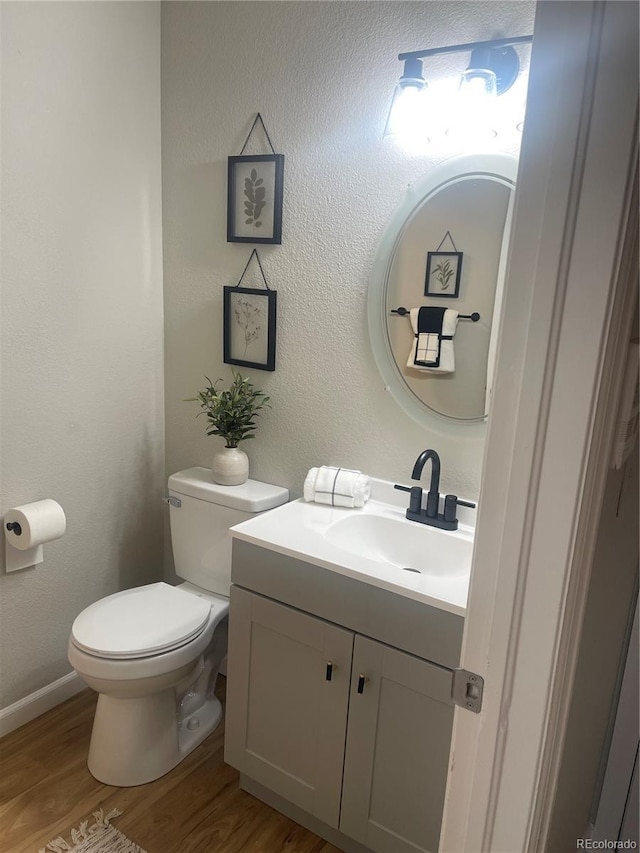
(137, 740)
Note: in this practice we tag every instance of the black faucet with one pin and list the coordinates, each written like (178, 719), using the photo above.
(431, 515)
(433, 495)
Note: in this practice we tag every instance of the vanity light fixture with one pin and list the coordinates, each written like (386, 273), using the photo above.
(408, 105)
(492, 70)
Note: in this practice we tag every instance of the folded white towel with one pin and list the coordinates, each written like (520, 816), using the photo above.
(425, 346)
(337, 486)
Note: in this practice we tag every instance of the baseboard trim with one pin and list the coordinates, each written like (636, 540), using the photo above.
(27, 709)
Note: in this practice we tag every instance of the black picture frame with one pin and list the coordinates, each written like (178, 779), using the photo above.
(444, 270)
(249, 318)
(248, 176)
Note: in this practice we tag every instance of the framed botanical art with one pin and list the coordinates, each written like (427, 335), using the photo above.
(254, 198)
(443, 274)
(250, 327)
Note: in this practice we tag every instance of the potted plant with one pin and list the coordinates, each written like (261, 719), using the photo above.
(231, 413)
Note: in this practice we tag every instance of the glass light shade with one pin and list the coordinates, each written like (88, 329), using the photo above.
(408, 113)
(474, 111)
(478, 86)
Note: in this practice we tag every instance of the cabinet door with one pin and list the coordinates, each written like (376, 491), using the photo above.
(286, 717)
(398, 743)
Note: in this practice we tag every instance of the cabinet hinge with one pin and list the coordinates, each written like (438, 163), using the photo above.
(466, 690)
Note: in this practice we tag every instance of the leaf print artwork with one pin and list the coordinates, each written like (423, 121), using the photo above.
(443, 273)
(249, 332)
(254, 198)
(248, 316)
(255, 192)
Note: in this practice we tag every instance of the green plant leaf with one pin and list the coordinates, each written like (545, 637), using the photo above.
(231, 412)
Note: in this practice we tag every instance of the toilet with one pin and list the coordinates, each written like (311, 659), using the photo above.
(153, 653)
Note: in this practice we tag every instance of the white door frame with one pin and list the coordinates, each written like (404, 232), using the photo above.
(618, 778)
(564, 332)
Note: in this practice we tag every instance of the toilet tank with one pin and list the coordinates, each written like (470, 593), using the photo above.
(200, 535)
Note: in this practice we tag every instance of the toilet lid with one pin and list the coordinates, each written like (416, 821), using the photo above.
(141, 622)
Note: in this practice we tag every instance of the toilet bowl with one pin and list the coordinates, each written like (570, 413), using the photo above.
(155, 677)
(153, 653)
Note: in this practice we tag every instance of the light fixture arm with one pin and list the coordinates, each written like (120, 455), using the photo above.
(497, 55)
(461, 48)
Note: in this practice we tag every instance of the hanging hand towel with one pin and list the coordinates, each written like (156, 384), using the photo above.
(432, 347)
(337, 487)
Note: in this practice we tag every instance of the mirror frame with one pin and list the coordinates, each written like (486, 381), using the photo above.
(501, 166)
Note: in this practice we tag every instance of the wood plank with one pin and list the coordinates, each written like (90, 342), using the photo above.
(46, 790)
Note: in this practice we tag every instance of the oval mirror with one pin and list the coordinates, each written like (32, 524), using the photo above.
(445, 248)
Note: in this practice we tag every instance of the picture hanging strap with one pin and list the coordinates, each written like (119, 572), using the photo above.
(255, 121)
(448, 234)
(264, 278)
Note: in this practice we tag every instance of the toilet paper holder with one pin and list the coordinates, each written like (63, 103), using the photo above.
(45, 521)
(16, 560)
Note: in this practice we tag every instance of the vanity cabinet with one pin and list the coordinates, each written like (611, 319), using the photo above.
(342, 726)
(397, 750)
(286, 712)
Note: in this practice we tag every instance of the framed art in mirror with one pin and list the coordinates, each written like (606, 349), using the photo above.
(443, 274)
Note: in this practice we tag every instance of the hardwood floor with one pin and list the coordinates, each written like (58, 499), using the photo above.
(46, 790)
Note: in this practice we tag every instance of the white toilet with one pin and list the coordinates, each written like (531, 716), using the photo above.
(153, 653)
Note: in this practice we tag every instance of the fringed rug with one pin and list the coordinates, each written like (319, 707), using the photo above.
(100, 837)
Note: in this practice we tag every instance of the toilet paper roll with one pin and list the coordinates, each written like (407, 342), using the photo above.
(33, 524)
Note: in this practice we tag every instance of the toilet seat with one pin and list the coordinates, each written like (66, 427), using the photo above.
(142, 622)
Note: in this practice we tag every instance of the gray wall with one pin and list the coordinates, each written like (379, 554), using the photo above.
(321, 75)
(82, 373)
(82, 314)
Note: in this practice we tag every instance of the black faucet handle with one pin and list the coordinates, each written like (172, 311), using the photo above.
(451, 502)
(415, 501)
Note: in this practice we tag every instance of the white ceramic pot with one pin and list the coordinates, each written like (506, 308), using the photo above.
(230, 466)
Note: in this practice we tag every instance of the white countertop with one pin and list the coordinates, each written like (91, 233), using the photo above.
(320, 535)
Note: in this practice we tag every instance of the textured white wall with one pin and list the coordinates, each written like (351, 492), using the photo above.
(82, 373)
(321, 74)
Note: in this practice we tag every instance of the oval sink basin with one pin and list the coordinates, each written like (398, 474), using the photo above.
(405, 544)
